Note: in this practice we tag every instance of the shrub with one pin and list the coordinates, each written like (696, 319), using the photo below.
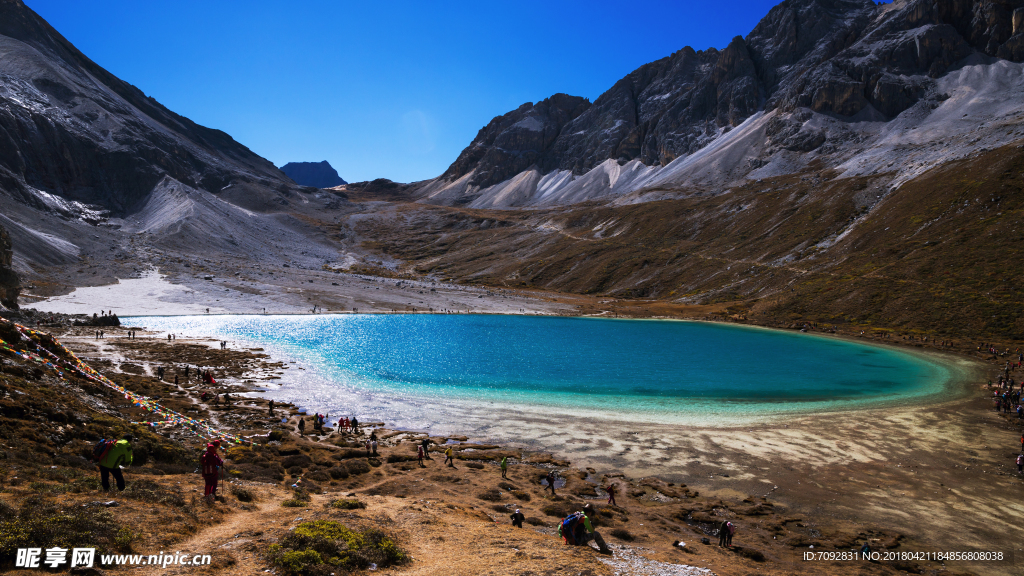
(357, 467)
(330, 543)
(490, 495)
(338, 472)
(243, 494)
(319, 476)
(534, 521)
(558, 509)
(521, 496)
(124, 538)
(40, 523)
(294, 503)
(347, 504)
(499, 508)
(475, 465)
(296, 561)
(507, 486)
(622, 534)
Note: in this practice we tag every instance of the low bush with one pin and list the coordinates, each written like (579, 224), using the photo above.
(243, 494)
(343, 504)
(334, 545)
(490, 495)
(43, 524)
(521, 496)
(622, 534)
(475, 465)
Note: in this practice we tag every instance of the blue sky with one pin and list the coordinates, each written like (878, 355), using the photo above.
(379, 89)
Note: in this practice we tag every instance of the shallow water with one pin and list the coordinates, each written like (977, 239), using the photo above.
(452, 372)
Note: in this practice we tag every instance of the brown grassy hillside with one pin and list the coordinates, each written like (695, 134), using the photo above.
(938, 255)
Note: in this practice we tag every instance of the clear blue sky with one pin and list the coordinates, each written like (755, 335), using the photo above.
(379, 89)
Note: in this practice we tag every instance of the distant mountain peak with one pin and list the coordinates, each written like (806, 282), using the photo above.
(316, 174)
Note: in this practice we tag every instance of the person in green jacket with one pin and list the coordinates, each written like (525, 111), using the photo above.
(504, 467)
(581, 538)
(120, 454)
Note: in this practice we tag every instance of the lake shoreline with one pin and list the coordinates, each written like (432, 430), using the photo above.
(868, 467)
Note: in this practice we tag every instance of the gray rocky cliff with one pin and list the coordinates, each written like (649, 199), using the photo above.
(850, 59)
(72, 130)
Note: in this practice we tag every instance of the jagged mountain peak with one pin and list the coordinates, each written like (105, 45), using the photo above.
(803, 81)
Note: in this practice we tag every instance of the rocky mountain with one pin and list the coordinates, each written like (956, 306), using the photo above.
(99, 181)
(315, 174)
(826, 81)
(114, 143)
(9, 284)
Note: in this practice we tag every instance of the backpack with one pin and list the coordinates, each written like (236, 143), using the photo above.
(100, 450)
(572, 528)
(208, 463)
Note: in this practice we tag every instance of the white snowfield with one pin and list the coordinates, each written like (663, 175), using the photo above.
(984, 109)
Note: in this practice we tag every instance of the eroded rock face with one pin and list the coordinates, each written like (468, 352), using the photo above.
(847, 58)
(10, 287)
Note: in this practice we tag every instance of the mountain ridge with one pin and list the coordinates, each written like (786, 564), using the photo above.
(116, 142)
(816, 70)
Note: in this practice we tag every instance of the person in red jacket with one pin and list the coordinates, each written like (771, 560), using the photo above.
(209, 464)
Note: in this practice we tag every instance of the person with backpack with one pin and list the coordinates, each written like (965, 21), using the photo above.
(419, 454)
(725, 531)
(426, 448)
(517, 518)
(110, 456)
(448, 457)
(577, 530)
(210, 464)
(610, 489)
(504, 467)
(302, 426)
(355, 425)
(551, 481)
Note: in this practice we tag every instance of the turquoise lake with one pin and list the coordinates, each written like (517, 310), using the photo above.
(426, 370)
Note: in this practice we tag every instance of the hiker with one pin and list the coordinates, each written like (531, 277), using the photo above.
(271, 409)
(367, 444)
(504, 467)
(210, 464)
(419, 454)
(302, 426)
(610, 489)
(577, 530)
(426, 448)
(1020, 463)
(112, 457)
(448, 457)
(373, 444)
(551, 481)
(517, 518)
(355, 425)
(725, 532)
(160, 373)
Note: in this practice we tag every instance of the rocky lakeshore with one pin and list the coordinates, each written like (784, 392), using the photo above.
(914, 479)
